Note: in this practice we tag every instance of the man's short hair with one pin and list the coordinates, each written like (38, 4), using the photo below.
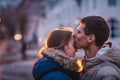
(98, 26)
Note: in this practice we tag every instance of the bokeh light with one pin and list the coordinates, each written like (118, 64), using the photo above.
(17, 36)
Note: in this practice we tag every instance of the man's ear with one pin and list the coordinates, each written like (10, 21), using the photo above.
(91, 38)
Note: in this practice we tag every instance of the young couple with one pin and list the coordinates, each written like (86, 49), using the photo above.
(58, 62)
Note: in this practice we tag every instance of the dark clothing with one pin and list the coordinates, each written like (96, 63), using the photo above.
(23, 50)
(49, 69)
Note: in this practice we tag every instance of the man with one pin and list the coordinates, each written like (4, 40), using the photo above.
(101, 60)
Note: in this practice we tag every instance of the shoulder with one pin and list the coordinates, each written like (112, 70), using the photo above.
(56, 75)
(107, 70)
(110, 71)
(104, 70)
(41, 63)
(43, 66)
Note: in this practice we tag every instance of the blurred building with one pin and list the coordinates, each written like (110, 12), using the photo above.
(43, 16)
(24, 16)
(68, 12)
(109, 9)
(64, 13)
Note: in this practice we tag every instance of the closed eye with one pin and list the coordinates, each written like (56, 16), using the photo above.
(78, 32)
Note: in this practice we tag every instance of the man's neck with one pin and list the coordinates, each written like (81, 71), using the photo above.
(91, 51)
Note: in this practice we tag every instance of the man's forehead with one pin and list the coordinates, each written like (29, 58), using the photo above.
(78, 27)
(81, 25)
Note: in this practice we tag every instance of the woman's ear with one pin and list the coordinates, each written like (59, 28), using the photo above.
(91, 38)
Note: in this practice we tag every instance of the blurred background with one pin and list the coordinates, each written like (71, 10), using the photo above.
(24, 25)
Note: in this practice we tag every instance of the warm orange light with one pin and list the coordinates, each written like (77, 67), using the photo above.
(64, 28)
(40, 55)
(79, 63)
(40, 52)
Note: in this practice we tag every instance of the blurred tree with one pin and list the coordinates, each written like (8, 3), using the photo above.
(14, 16)
(78, 2)
(6, 19)
(3, 32)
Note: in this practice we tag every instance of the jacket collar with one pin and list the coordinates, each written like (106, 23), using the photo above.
(111, 54)
(62, 58)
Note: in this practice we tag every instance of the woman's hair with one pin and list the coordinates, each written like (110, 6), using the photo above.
(59, 37)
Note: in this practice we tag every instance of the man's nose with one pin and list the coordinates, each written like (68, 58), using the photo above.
(74, 34)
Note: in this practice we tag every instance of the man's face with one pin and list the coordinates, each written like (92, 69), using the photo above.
(81, 40)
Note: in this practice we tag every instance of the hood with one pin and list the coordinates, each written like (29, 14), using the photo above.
(60, 57)
(53, 60)
(43, 66)
(111, 54)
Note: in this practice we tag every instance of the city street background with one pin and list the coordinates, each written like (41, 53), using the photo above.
(25, 24)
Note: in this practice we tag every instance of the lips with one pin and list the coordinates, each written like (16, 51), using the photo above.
(76, 49)
(75, 44)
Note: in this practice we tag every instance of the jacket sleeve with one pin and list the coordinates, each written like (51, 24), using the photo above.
(107, 73)
(56, 75)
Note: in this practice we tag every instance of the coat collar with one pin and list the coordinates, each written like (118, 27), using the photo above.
(111, 54)
(60, 57)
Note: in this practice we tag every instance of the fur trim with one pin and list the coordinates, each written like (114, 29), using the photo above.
(62, 59)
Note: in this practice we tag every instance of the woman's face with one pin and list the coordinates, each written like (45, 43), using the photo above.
(69, 48)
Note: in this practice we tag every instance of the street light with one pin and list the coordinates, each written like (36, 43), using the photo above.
(17, 37)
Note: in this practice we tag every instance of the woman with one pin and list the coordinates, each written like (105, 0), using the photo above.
(57, 62)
